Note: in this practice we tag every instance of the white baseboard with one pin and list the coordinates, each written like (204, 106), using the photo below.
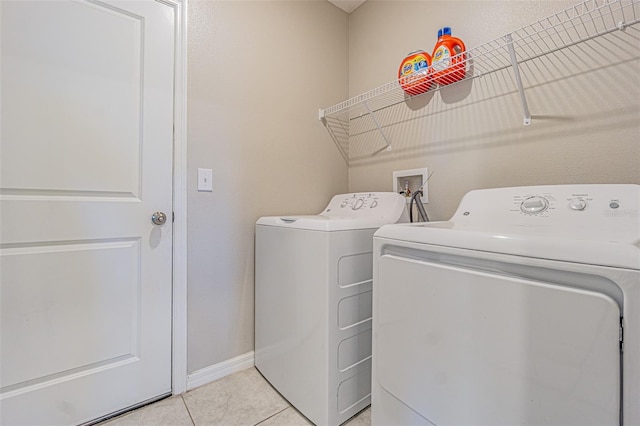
(220, 370)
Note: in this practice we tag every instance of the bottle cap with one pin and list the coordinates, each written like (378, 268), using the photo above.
(446, 31)
(440, 32)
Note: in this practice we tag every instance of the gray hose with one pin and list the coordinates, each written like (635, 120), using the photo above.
(417, 197)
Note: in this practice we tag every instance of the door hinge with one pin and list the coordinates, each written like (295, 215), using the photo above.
(621, 334)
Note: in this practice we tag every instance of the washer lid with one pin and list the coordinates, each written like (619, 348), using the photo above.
(348, 211)
(322, 223)
(593, 224)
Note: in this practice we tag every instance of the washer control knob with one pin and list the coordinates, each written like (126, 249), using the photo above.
(577, 204)
(374, 203)
(344, 204)
(534, 205)
(359, 202)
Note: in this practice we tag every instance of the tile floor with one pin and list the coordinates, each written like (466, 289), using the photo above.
(244, 398)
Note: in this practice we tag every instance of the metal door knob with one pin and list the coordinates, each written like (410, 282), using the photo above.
(158, 218)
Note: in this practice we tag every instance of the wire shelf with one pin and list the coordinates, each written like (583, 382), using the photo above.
(582, 22)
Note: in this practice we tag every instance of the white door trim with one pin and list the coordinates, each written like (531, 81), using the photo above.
(179, 328)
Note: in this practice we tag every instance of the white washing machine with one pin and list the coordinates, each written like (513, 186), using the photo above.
(313, 303)
(523, 309)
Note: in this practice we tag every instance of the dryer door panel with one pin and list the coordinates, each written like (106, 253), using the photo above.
(460, 346)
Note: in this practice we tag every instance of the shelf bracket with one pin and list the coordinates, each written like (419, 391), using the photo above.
(516, 72)
(375, 121)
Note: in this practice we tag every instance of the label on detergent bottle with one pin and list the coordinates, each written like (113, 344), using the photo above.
(449, 60)
(414, 73)
(441, 58)
(415, 64)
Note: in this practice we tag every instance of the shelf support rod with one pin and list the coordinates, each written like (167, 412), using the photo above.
(375, 120)
(516, 72)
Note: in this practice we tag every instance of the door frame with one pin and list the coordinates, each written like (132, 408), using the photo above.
(179, 278)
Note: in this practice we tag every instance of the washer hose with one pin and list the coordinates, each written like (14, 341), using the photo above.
(417, 197)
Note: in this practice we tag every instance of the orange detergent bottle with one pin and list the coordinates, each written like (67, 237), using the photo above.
(414, 74)
(449, 60)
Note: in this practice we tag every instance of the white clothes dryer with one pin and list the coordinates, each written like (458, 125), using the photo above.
(522, 309)
(313, 303)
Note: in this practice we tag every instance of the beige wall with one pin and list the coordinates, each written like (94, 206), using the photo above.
(258, 72)
(585, 103)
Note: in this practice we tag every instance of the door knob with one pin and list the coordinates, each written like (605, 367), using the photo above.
(158, 218)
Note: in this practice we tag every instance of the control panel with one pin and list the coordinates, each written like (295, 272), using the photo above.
(358, 201)
(596, 224)
(566, 205)
(365, 204)
(547, 202)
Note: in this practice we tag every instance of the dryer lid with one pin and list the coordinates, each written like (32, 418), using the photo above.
(593, 224)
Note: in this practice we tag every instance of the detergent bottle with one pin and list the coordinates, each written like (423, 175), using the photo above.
(414, 74)
(449, 60)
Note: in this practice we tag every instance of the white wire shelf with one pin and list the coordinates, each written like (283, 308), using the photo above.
(582, 22)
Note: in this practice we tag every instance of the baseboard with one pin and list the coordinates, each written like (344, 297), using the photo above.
(220, 370)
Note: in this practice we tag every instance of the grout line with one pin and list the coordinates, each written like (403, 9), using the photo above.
(188, 411)
(273, 415)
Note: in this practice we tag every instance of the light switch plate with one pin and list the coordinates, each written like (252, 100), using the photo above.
(205, 180)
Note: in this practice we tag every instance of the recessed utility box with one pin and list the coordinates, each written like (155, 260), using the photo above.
(407, 182)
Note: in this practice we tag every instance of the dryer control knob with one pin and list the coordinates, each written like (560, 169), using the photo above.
(578, 204)
(359, 202)
(534, 205)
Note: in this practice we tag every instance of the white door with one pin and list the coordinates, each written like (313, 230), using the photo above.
(86, 159)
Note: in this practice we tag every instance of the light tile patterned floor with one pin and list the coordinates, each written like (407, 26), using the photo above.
(244, 398)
